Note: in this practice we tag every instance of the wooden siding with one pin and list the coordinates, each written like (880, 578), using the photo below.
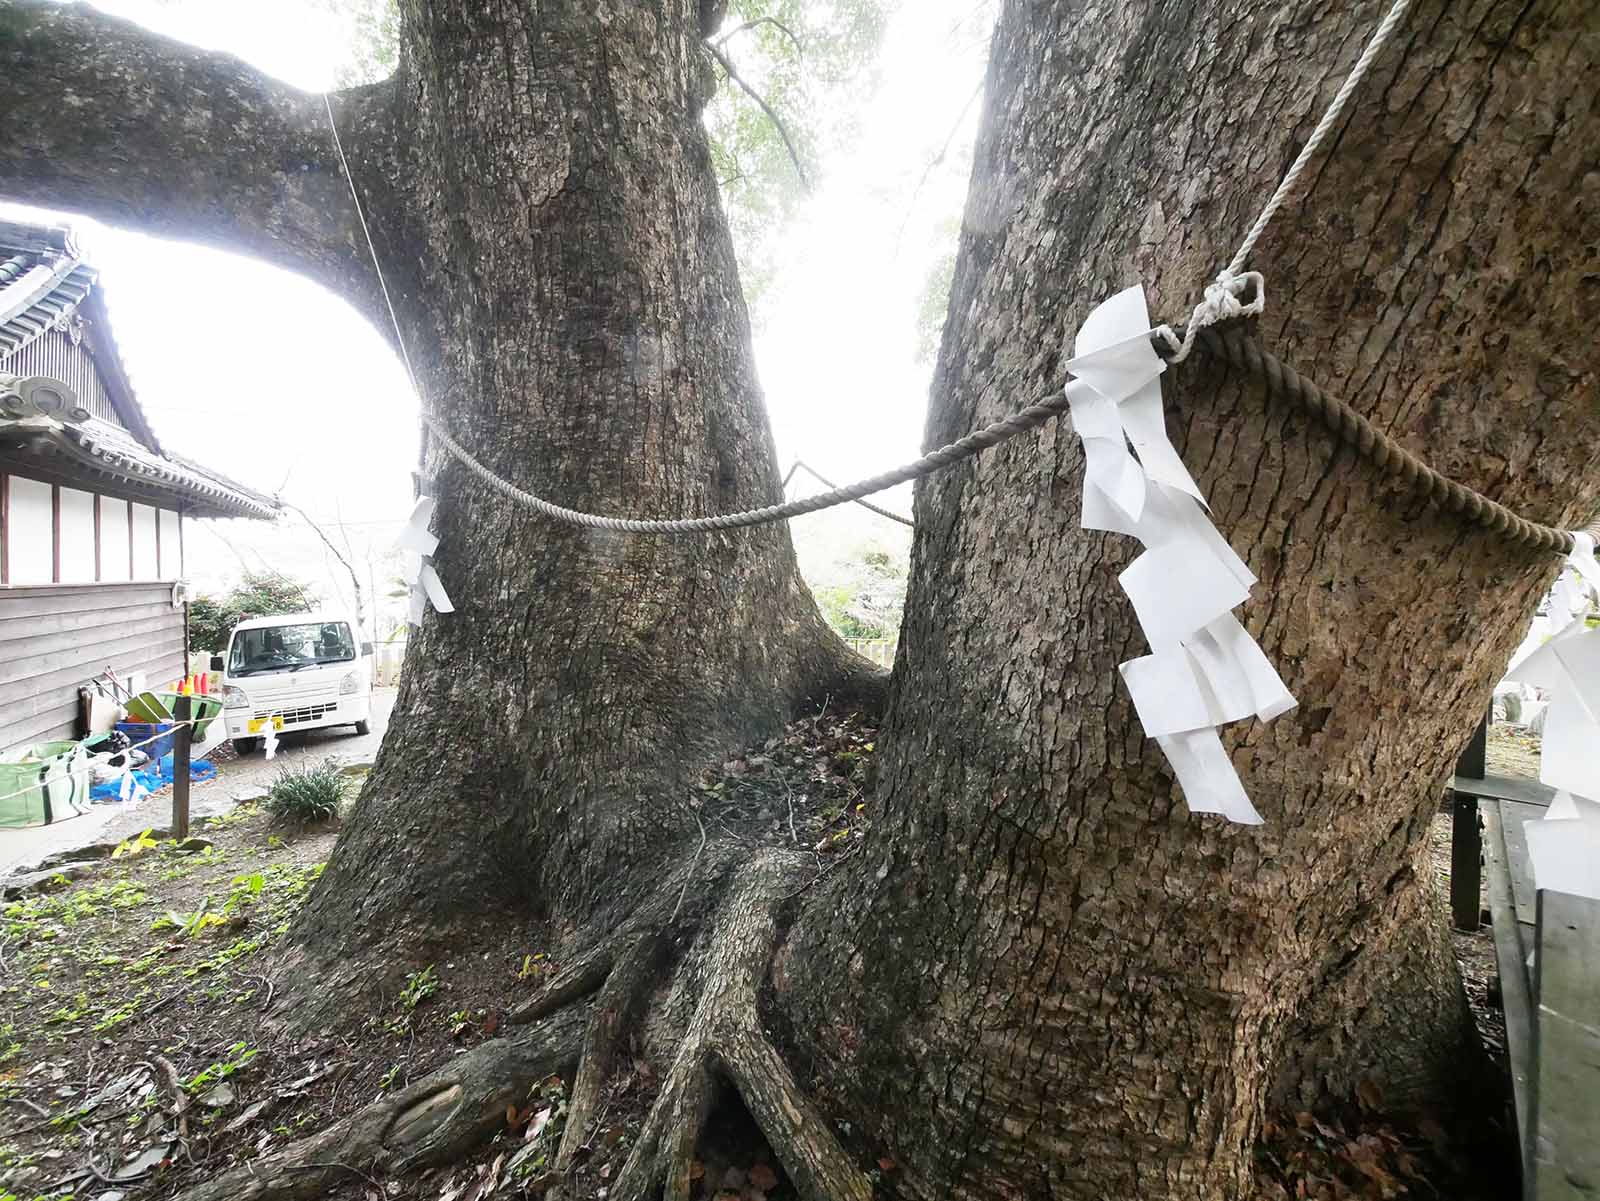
(54, 638)
(54, 354)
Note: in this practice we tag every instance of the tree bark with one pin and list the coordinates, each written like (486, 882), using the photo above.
(1046, 978)
(1042, 977)
(571, 303)
(101, 117)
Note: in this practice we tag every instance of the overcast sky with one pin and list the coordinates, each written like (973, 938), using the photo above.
(266, 377)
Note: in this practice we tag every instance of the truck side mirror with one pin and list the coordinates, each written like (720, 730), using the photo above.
(366, 648)
(216, 663)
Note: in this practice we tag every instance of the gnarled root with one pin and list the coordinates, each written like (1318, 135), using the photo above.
(582, 1014)
(725, 1035)
(432, 1121)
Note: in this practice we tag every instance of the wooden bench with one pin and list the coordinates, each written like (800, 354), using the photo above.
(1552, 1009)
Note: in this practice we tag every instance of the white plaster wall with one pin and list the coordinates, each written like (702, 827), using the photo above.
(114, 539)
(29, 531)
(171, 547)
(77, 536)
(145, 566)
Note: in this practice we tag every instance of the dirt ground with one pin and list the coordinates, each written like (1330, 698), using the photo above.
(238, 775)
(134, 1058)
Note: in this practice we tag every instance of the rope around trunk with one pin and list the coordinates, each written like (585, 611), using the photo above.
(1227, 342)
(1230, 344)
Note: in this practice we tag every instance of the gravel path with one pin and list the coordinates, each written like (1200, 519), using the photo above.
(113, 822)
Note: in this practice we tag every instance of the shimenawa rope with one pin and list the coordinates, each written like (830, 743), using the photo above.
(1222, 303)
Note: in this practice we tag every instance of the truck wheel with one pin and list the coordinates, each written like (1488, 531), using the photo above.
(245, 746)
(363, 727)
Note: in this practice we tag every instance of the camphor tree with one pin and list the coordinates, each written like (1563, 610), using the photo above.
(1041, 977)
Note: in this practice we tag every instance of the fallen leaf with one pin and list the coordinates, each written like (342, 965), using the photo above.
(1367, 1093)
(540, 1121)
(886, 1164)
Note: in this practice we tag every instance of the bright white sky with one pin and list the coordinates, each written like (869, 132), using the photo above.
(268, 378)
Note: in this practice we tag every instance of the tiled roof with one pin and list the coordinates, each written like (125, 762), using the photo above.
(44, 281)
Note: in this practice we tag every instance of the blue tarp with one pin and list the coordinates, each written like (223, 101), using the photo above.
(151, 777)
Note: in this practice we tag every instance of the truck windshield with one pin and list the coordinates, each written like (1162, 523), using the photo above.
(275, 648)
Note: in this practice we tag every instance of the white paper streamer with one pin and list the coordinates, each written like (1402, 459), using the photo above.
(269, 738)
(435, 590)
(419, 544)
(1564, 845)
(1205, 669)
(416, 537)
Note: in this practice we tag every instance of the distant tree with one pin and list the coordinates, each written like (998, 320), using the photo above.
(259, 594)
(866, 600)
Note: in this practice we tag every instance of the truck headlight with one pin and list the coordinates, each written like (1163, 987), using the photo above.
(351, 684)
(233, 697)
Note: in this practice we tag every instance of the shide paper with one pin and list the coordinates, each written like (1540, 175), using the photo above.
(419, 544)
(1204, 670)
(1564, 845)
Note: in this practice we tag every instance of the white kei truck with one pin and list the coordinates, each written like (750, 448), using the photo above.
(296, 671)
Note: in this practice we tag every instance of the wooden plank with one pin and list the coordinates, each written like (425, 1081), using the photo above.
(47, 651)
(1512, 816)
(19, 629)
(42, 715)
(59, 720)
(35, 696)
(79, 598)
(1565, 1131)
(1466, 866)
(99, 645)
(1511, 960)
(1505, 788)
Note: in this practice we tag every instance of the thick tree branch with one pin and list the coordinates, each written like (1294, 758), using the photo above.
(101, 117)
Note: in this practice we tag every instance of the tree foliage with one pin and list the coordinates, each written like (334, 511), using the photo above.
(259, 594)
(865, 597)
(814, 64)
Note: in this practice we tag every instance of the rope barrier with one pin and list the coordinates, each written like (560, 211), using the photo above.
(827, 483)
(1029, 418)
(1231, 345)
(47, 781)
(1223, 303)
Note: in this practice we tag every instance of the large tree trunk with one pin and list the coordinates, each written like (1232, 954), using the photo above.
(1043, 977)
(572, 306)
(1047, 978)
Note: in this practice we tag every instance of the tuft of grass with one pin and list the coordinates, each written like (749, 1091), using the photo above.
(307, 794)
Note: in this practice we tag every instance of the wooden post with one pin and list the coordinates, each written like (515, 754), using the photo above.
(182, 736)
(1560, 1146)
(1472, 762)
(1466, 861)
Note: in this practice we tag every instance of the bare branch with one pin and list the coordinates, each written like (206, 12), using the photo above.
(783, 132)
(355, 581)
(773, 21)
(934, 162)
(101, 117)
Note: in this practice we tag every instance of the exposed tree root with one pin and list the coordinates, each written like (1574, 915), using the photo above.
(432, 1121)
(725, 1034)
(440, 1117)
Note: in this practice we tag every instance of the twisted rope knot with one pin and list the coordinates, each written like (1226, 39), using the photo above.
(1221, 303)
